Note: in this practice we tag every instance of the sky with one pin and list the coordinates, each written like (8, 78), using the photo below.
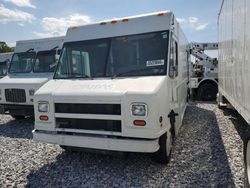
(31, 19)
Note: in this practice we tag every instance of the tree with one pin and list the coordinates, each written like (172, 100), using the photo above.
(5, 48)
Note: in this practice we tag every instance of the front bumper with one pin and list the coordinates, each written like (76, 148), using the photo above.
(17, 110)
(95, 142)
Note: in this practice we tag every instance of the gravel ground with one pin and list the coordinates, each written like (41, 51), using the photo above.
(207, 153)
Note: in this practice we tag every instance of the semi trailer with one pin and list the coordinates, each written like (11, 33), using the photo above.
(120, 85)
(32, 65)
(4, 62)
(234, 64)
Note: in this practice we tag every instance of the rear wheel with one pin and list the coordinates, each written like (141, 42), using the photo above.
(247, 163)
(207, 92)
(163, 154)
(18, 117)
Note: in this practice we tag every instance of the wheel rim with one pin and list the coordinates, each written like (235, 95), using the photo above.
(247, 162)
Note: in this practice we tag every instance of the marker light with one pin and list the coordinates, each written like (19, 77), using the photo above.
(114, 21)
(139, 123)
(44, 118)
(160, 14)
(125, 20)
(74, 27)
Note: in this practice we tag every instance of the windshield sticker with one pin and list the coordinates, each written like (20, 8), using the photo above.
(153, 63)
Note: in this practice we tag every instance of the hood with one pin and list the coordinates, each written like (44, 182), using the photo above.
(18, 81)
(100, 89)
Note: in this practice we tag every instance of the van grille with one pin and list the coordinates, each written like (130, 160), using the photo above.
(89, 124)
(101, 109)
(15, 95)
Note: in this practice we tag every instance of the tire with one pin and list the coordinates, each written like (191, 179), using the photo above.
(164, 153)
(207, 92)
(246, 165)
(68, 149)
(18, 117)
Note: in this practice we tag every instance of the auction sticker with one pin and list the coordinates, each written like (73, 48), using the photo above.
(153, 63)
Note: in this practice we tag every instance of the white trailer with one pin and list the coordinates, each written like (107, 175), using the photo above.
(234, 63)
(32, 65)
(203, 82)
(120, 85)
(4, 62)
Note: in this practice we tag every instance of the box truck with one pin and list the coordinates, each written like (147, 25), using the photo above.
(234, 63)
(4, 62)
(120, 85)
(32, 65)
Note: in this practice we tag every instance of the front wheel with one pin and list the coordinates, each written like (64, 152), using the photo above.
(163, 154)
(247, 163)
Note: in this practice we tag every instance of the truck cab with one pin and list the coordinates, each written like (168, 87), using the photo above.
(120, 85)
(31, 66)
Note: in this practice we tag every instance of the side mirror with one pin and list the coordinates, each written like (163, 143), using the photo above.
(172, 69)
(57, 57)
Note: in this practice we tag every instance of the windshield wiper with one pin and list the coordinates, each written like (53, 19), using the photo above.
(134, 70)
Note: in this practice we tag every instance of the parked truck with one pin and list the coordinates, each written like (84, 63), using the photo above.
(234, 64)
(120, 85)
(32, 65)
(203, 81)
(4, 62)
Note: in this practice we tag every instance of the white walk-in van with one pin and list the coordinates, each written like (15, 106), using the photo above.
(32, 65)
(120, 85)
(4, 62)
(234, 64)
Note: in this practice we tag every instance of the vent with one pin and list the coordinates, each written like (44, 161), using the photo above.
(102, 109)
(89, 124)
(15, 95)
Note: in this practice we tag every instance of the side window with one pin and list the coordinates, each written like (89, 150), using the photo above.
(173, 64)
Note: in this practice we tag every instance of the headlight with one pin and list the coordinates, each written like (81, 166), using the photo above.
(32, 92)
(43, 107)
(139, 109)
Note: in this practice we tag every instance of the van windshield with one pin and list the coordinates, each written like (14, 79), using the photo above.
(133, 55)
(22, 62)
(45, 61)
(3, 68)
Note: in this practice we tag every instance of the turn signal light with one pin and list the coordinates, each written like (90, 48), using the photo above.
(44, 118)
(139, 123)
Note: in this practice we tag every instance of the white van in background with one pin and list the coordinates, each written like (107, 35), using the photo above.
(32, 65)
(120, 85)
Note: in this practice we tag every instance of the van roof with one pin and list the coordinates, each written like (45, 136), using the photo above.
(144, 23)
(39, 44)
